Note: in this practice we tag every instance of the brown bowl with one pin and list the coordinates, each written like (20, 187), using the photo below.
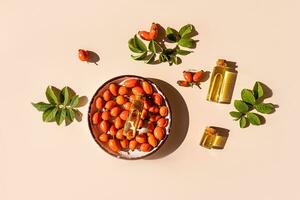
(128, 155)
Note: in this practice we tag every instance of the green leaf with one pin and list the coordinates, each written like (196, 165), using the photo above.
(258, 90)
(60, 116)
(183, 52)
(167, 55)
(151, 46)
(247, 96)
(171, 59)
(41, 106)
(265, 108)
(185, 30)
(64, 95)
(159, 48)
(49, 114)
(139, 44)
(187, 42)
(172, 34)
(241, 106)
(74, 101)
(70, 115)
(166, 58)
(169, 52)
(176, 60)
(161, 58)
(132, 46)
(52, 98)
(139, 56)
(253, 118)
(154, 47)
(151, 58)
(243, 122)
(236, 114)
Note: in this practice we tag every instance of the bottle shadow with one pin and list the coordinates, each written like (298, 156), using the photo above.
(180, 120)
(231, 64)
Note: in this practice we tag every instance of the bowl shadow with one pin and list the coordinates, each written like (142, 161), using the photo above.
(180, 120)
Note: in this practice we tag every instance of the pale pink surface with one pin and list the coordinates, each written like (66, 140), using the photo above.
(39, 42)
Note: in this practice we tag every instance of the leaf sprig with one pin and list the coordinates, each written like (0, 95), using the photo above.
(156, 52)
(251, 99)
(62, 105)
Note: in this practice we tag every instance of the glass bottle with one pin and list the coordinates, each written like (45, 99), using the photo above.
(214, 137)
(222, 83)
(132, 122)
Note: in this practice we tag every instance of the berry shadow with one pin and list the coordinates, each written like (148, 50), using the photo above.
(161, 37)
(205, 76)
(93, 57)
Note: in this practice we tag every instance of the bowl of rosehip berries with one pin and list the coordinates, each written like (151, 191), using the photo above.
(129, 117)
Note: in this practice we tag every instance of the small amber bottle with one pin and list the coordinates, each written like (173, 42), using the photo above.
(214, 137)
(134, 117)
(222, 83)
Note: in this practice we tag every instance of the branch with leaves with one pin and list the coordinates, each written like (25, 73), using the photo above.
(62, 105)
(251, 99)
(149, 53)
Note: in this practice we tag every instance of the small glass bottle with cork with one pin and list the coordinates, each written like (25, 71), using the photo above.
(222, 82)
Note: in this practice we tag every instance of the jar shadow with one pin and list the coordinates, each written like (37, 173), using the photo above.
(180, 120)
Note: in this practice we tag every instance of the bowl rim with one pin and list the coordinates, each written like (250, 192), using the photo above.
(96, 94)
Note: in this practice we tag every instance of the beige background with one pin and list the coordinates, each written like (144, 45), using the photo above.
(39, 42)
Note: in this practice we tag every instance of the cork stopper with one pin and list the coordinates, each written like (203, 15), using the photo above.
(221, 63)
